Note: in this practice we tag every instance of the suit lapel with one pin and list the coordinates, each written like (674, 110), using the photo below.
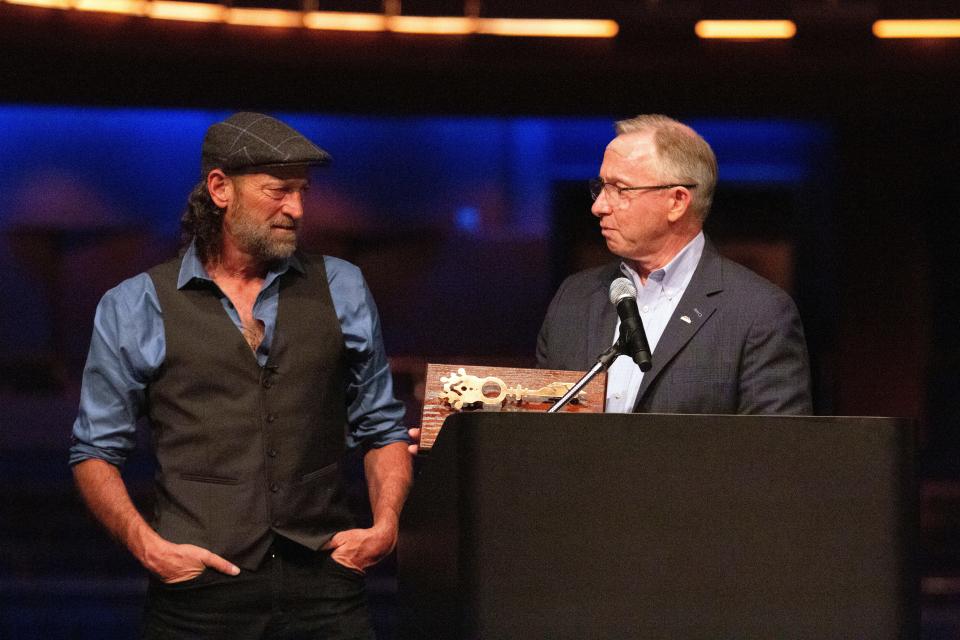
(693, 311)
(603, 315)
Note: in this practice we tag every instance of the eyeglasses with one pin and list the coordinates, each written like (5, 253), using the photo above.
(615, 193)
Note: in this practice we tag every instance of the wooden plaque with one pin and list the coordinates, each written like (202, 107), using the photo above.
(436, 408)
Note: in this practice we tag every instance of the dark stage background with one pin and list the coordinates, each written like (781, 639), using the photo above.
(459, 187)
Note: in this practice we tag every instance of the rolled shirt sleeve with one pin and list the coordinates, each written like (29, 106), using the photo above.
(126, 348)
(374, 414)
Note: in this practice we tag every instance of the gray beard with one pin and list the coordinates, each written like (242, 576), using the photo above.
(255, 239)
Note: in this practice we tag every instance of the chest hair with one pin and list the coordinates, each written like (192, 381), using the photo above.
(243, 295)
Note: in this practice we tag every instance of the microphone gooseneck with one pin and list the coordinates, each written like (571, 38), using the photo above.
(632, 341)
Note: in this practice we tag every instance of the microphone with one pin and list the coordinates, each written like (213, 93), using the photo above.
(632, 342)
(633, 339)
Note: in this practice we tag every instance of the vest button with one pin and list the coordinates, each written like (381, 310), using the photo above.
(272, 453)
(271, 417)
(274, 488)
(267, 383)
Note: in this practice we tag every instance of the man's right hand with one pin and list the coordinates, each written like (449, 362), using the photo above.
(103, 490)
(181, 562)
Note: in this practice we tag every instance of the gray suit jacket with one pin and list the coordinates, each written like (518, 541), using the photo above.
(743, 350)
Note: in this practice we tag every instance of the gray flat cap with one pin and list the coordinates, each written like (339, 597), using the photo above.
(245, 141)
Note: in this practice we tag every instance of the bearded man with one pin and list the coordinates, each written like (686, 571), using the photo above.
(258, 367)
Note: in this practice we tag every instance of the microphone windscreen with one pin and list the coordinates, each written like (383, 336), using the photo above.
(622, 288)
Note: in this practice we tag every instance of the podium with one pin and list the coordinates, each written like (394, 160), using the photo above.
(649, 526)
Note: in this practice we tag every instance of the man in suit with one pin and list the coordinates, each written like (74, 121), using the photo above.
(723, 339)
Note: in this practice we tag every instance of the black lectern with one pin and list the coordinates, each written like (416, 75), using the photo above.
(580, 526)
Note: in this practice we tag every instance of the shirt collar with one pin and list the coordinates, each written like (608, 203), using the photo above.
(191, 268)
(674, 276)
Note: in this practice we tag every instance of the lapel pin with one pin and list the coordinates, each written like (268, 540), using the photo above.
(685, 319)
(698, 312)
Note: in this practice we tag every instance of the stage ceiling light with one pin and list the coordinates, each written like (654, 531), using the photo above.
(344, 21)
(339, 21)
(186, 11)
(917, 28)
(746, 29)
(50, 4)
(264, 17)
(431, 25)
(548, 28)
(127, 7)
(454, 25)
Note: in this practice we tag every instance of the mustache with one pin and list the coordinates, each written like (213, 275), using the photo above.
(285, 222)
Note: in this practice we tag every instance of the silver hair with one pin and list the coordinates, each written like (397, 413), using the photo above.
(683, 156)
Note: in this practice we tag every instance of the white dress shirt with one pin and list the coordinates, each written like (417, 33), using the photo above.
(656, 300)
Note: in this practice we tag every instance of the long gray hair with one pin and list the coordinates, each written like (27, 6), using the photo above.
(202, 220)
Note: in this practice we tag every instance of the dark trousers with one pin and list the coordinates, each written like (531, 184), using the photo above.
(295, 594)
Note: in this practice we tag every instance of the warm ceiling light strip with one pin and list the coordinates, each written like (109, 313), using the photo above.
(49, 4)
(436, 25)
(186, 11)
(548, 28)
(917, 28)
(746, 29)
(337, 21)
(128, 7)
(264, 17)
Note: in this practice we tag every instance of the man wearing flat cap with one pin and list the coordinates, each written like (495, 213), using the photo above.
(258, 367)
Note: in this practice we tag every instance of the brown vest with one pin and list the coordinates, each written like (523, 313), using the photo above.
(243, 450)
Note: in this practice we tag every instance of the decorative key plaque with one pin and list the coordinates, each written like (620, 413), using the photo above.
(452, 388)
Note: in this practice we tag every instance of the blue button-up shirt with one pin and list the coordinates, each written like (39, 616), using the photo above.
(128, 346)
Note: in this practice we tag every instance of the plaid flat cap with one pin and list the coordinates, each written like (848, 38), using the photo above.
(248, 140)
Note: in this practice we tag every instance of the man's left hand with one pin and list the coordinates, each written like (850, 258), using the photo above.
(359, 549)
(414, 434)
